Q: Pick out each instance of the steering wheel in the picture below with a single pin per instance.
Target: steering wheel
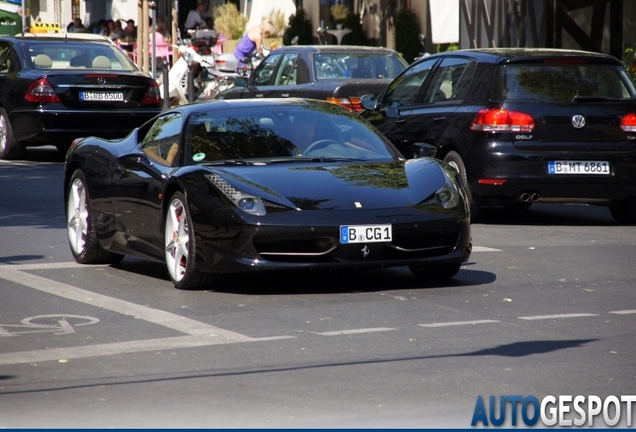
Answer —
(320, 144)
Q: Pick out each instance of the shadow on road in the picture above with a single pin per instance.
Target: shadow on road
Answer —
(548, 214)
(312, 281)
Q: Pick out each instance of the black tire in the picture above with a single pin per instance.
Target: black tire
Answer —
(455, 160)
(434, 272)
(624, 211)
(80, 226)
(180, 247)
(9, 147)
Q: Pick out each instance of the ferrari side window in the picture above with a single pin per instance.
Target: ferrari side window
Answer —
(161, 142)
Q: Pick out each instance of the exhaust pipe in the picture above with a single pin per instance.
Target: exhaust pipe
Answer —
(528, 197)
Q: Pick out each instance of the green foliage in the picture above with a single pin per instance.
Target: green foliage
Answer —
(229, 21)
(277, 19)
(407, 29)
(299, 25)
(357, 35)
(447, 47)
(629, 60)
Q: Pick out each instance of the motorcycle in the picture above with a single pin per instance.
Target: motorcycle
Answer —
(226, 65)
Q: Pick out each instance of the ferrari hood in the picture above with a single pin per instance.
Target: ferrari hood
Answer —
(338, 186)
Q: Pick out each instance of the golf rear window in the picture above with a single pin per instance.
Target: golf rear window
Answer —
(561, 82)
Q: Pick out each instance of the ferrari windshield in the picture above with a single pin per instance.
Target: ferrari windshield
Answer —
(283, 131)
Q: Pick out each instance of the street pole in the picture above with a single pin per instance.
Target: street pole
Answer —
(153, 9)
(24, 16)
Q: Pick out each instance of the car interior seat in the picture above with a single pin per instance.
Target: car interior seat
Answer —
(42, 61)
(101, 62)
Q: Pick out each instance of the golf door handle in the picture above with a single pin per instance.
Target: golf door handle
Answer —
(439, 120)
(400, 122)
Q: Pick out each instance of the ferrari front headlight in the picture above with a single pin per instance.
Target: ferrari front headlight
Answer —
(246, 202)
(448, 195)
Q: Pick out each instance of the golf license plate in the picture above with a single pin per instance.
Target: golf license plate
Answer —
(102, 96)
(365, 233)
(579, 167)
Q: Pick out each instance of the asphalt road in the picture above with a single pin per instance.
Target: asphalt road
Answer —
(545, 306)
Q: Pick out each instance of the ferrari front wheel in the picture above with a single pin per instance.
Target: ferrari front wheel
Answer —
(180, 247)
(80, 227)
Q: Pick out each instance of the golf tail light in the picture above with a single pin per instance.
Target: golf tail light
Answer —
(502, 120)
(628, 123)
(153, 95)
(352, 104)
(41, 92)
(246, 202)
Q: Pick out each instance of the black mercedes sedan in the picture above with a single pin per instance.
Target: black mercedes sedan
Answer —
(521, 125)
(338, 74)
(252, 185)
(58, 87)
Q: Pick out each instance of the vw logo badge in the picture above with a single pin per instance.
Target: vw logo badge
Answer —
(578, 121)
(365, 251)
(101, 80)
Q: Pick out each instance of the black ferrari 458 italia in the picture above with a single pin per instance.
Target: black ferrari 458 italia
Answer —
(248, 185)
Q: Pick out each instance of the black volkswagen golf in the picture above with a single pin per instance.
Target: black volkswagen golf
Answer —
(521, 125)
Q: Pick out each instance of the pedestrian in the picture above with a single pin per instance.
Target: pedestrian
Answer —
(252, 41)
(195, 21)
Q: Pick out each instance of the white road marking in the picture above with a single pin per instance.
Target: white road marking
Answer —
(558, 316)
(485, 249)
(624, 312)
(155, 316)
(129, 347)
(354, 331)
(458, 323)
(199, 334)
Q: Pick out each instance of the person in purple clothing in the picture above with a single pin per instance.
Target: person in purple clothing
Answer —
(252, 41)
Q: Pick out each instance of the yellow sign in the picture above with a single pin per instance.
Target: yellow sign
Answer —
(40, 27)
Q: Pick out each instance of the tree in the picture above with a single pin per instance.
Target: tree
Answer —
(407, 30)
(299, 25)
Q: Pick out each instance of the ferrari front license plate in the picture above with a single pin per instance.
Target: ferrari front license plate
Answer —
(579, 167)
(91, 96)
(365, 233)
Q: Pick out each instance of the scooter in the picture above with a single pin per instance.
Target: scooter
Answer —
(180, 92)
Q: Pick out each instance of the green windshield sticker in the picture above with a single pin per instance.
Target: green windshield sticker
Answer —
(198, 157)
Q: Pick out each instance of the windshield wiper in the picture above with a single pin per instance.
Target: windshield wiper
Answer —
(315, 159)
(234, 162)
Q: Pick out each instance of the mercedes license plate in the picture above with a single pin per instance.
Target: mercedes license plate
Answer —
(108, 96)
(579, 167)
(365, 233)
